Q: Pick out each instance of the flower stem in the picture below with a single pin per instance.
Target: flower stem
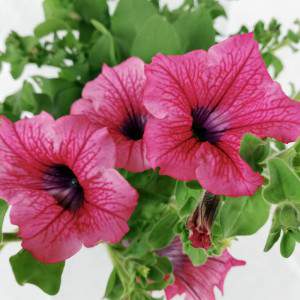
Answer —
(10, 237)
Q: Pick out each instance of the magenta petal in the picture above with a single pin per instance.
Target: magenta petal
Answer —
(47, 231)
(175, 83)
(170, 147)
(115, 100)
(243, 94)
(86, 148)
(222, 171)
(25, 147)
(59, 179)
(203, 103)
(110, 201)
(197, 283)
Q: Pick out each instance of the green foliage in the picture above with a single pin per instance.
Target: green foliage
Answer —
(163, 231)
(156, 36)
(3, 210)
(127, 20)
(271, 39)
(284, 183)
(254, 151)
(77, 38)
(242, 215)
(195, 29)
(28, 270)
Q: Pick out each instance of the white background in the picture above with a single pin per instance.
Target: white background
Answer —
(267, 276)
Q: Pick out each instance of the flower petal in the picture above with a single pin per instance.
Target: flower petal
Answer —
(47, 230)
(243, 95)
(26, 147)
(110, 201)
(175, 83)
(85, 148)
(221, 170)
(171, 146)
(197, 283)
(115, 96)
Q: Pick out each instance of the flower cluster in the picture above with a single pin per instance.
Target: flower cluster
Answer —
(184, 114)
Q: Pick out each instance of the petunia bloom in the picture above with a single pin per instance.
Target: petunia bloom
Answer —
(203, 104)
(197, 283)
(200, 222)
(115, 100)
(59, 178)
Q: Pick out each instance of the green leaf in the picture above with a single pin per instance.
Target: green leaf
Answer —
(50, 26)
(101, 53)
(28, 270)
(243, 215)
(114, 288)
(198, 256)
(289, 217)
(164, 264)
(275, 230)
(61, 92)
(273, 237)
(60, 9)
(64, 100)
(254, 150)
(156, 36)
(163, 232)
(284, 183)
(287, 245)
(195, 29)
(296, 235)
(129, 17)
(24, 100)
(93, 9)
(3, 210)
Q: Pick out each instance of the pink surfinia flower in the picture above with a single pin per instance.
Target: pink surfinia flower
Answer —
(115, 100)
(197, 283)
(59, 178)
(203, 104)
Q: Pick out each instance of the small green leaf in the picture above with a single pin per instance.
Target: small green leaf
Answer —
(50, 26)
(164, 264)
(198, 256)
(289, 217)
(284, 183)
(3, 210)
(254, 150)
(275, 230)
(23, 100)
(287, 245)
(64, 100)
(163, 232)
(273, 237)
(156, 36)
(114, 288)
(28, 270)
(195, 29)
(243, 215)
(296, 235)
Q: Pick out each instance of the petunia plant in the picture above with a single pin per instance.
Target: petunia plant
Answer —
(152, 138)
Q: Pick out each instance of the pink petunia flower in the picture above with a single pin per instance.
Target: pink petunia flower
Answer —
(197, 283)
(59, 178)
(115, 100)
(203, 104)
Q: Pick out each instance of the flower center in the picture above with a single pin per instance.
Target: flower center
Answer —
(202, 129)
(133, 127)
(61, 183)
